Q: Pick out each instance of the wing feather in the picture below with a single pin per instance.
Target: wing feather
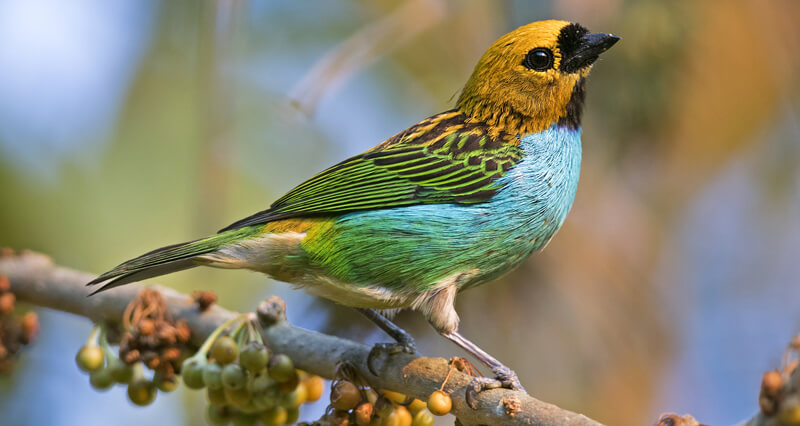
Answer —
(446, 158)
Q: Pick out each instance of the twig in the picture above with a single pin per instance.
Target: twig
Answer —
(35, 279)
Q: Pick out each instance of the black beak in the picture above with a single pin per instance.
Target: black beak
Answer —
(591, 46)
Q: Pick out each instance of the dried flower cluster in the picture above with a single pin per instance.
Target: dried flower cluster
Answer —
(151, 335)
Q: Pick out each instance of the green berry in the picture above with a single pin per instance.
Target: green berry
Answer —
(165, 384)
(218, 415)
(383, 407)
(101, 379)
(216, 397)
(225, 350)
(142, 392)
(90, 358)
(254, 357)
(264, 400)
(233, 377)
(237, 397)
(192, 372)
(269, 397)
(281, 368)
(120, 372)
(292, 414)
(212, 375)
(295, 398)
(290, 384)
(261, 383)
(244, 419)
(423, 418)
(249, 406)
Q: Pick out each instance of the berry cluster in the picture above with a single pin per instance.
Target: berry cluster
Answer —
(353, 403)
(15, 331)
(150, 339)
(106, 369)
(245, 383)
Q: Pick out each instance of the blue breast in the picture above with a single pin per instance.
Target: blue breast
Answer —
(414, 247)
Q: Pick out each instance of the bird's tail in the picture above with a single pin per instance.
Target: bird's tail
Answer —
(169, 259)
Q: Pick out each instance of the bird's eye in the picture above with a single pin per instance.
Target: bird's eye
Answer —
(539, 59)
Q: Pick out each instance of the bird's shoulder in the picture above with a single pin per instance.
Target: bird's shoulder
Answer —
(451, 132)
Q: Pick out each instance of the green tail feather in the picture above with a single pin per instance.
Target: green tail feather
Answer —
(166, 260)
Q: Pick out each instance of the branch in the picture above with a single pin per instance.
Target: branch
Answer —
(35, 279)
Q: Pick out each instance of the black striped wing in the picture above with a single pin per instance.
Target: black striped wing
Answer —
(443, 159)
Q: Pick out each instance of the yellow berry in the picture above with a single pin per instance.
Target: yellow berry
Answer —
(90, 358)
(439, 403)
(296, 397)
(417, 405)
(790, 411)
(314, 387)
(398, 417)
(396, 397)
(274, 416)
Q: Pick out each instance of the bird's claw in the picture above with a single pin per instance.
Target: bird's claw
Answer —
(506, 378)
(389, 349)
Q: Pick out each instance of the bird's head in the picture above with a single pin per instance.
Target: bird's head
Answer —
(533, 77)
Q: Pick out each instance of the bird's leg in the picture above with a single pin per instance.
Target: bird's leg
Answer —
(405, 343)
(505, 377)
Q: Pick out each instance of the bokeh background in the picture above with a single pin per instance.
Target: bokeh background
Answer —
(127, 125)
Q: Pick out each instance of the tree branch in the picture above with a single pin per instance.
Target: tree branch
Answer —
(35, 279)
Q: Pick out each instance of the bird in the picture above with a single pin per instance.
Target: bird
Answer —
(454, 201)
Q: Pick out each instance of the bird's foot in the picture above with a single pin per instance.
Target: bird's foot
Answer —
(505, 378)
(405, 345)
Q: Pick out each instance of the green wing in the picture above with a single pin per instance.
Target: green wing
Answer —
(443, 159)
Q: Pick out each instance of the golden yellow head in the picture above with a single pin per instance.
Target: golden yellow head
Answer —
(532, 77)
